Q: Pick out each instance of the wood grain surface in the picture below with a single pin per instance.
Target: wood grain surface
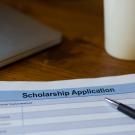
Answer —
(80, 55)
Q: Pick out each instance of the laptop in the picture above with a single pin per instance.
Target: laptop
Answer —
(21, 36)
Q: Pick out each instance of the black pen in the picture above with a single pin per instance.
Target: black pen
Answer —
(122, 107)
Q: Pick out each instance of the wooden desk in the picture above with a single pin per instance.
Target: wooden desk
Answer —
(81, 54)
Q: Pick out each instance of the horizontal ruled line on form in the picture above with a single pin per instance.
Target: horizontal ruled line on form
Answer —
(91, 131)
(72, 105)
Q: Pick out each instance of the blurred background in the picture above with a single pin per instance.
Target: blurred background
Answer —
(66, 15)
(81, 53)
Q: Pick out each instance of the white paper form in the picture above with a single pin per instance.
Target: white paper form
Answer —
(74, 107)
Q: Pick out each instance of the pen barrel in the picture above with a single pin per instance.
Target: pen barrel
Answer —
(127, 110)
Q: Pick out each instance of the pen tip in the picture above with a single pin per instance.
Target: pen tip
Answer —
(107, 99)
(113, 103)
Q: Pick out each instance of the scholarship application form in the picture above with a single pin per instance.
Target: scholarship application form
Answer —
(74, 107)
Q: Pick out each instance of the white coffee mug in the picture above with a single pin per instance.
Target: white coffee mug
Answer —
(120, 28)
